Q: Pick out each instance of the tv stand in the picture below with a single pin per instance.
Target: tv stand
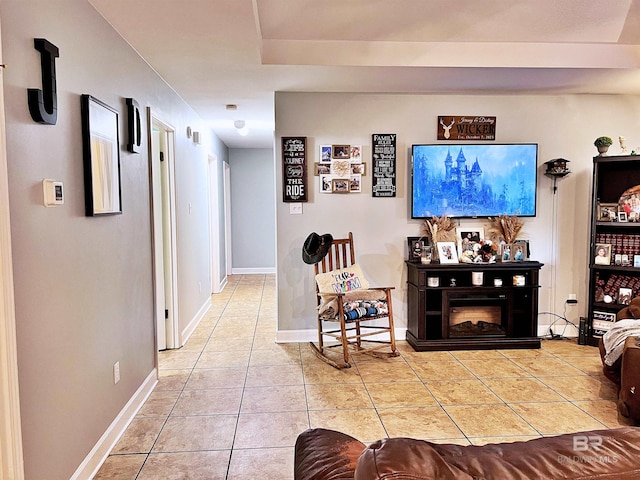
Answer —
(502, 312)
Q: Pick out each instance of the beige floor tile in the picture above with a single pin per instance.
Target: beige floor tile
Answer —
(494, 368)
(462, 392)
(208, 402)
(581, 387)
(323, 373)
(422, 422)
(525, 352)
(505, 439)
(186, 465)
(280, 398)
(267, 463)
(175, 359)
(223, 359)
(547, 367)
(568, 347)
(605, 411)
(159, 404)
(221, 344)
(365, 425)
(121, 467)
(400, 394)
(378, 372)
(182, 434)
(277, 355)
(476, 354)
(415, 357)
(262, 376)
(140, 435)
(488, 420)
(342, 396)
(207, 378)
(556, 418)
(265, 430)
(172, 379)
(441, 370)
(518, 390)
(195, 344)
(589, 365)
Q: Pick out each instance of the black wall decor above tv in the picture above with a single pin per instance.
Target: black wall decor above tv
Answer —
(467, 180)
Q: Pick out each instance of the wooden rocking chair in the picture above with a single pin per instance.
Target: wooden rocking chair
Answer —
(352, 323)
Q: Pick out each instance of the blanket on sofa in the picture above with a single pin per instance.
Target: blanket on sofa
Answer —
(614, 339)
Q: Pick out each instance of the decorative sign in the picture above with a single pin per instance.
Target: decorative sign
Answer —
(383, 153)
(43, 104)
(294, 169)
(466, 128)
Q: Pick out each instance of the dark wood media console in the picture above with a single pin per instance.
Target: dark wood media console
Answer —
(508, 294)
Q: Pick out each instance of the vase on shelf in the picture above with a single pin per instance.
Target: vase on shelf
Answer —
(602, 150)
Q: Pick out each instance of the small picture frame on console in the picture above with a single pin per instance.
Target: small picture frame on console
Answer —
(447, 252)
(519, 251)
(415, 246)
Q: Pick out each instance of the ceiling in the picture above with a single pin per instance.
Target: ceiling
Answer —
(219, 52)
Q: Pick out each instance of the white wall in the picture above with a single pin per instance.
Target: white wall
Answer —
(563, 126)
(253, 216)
(83, 286)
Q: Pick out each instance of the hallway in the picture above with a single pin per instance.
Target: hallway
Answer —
(231, 402)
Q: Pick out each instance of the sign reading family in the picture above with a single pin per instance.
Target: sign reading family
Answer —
(294, 169)
(466, 128)
(383, 153)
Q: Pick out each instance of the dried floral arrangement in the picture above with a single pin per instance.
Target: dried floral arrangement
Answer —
(505, 227)
(440, 229)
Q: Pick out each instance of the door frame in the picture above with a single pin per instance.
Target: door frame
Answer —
(227, 215)
(214, 222)
(167, 327)
(11, 454)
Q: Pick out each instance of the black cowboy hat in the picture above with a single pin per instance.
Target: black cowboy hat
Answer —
(316, 247)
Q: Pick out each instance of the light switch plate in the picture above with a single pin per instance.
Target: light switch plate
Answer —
(295, 208)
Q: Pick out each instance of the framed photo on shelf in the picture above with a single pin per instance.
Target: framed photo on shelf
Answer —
(447, 252)
(468, 237)
(506, 252)
(602, 254)
(622, 217)
(607, 212)
(636, 261)
(519, 251)
(624, 296)
(415, 246)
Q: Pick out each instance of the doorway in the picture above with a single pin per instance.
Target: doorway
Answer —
(163, 214)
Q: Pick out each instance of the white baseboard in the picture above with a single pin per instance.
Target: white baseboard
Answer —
(250, 271)
(195, 321)
(310, 335)
(99, 453)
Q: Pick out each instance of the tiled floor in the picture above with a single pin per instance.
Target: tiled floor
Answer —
(231, 402)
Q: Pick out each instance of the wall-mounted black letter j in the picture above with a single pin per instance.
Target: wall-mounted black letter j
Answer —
(43, 104)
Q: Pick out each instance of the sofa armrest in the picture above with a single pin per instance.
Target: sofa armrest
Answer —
(322, 454)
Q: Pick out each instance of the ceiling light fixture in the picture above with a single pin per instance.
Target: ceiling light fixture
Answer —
(242, 128)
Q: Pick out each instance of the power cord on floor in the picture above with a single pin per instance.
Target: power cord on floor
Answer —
(555, 336)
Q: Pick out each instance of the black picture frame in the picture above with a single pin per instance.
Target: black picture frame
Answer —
(101, 154)
(415, 253)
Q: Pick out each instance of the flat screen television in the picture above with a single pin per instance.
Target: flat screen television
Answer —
(473, 180)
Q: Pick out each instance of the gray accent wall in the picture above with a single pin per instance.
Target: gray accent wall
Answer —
(253, 200)
(563, 126)
(83, 285)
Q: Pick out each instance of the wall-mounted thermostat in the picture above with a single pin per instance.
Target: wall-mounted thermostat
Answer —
(53, 193)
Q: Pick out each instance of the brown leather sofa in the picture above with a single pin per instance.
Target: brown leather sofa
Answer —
(625, 372)
(600, 454)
